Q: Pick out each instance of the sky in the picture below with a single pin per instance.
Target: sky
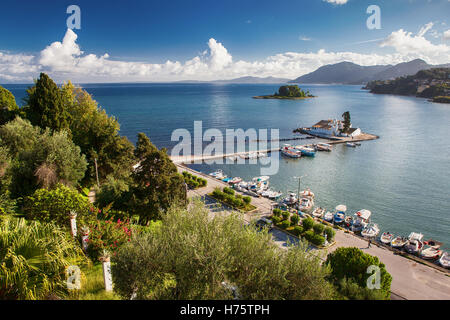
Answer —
(156, 40)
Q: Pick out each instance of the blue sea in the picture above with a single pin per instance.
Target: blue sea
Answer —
(403, 177)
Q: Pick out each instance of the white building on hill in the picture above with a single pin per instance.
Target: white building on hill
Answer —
(333, 127)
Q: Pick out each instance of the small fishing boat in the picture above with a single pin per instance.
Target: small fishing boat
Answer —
(338, 218)
(306, 151)
(361, 220)
(232, 158)
(235, 180)
(291, 199)
(290, 153)
(445, 260)
(386, 238)
(307, 194)
(414, 244)
(252, 155)
(328, 216)
(370, 231)
(218, 174)
(398, 242)
(318, 212)
(262, 155)
(357, 143)
(227, 180)
(275, 195)
(348, 221)
(306, 204)
(351, 144)
(431, 252)
(324, 147)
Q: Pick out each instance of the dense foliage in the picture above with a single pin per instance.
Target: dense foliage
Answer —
(229, 197)
(8, 106)
(55, 205)
(194, 181)
(33, 258)
(40, 158)
(292, 91)
(191, 255)
(352, 264)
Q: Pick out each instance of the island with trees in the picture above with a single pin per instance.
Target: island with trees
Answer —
(288, 92)
(432, 83)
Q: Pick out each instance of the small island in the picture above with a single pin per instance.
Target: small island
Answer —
(288, 92)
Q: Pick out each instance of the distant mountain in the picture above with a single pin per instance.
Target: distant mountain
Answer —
(254, 80)
(351, 73)
(242, 80)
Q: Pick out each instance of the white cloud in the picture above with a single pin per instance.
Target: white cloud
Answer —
(338, 2)
(65, 60)
(416, 46)
(303, 38)
(446, 34)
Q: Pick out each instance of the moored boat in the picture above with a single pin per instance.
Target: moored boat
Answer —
(338, 218)
(351, 144)
(291, 199)
(370, 231)
(291, 153)
(386, 237)
(324, 147)
(361, 220)
(306, 204)
(307, 194)
(431, 253)
(318, 212)
(445, 260)
(398, 242)
(348, 221)
(414, 244)
(218, 174)
(306, 151)
(328, 216)
(235, 180)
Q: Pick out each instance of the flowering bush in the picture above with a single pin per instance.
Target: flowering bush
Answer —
(109, 235)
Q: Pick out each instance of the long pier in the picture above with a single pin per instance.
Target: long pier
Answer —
(193, 158)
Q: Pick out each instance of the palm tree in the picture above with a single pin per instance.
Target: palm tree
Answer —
(33, 258)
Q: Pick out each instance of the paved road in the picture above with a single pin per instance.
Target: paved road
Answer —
(410, 280)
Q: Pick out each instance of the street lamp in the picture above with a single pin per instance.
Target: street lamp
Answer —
(298, 191)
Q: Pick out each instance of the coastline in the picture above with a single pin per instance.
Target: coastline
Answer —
(411, 278)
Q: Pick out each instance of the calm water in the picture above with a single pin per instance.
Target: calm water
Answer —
(403, 177)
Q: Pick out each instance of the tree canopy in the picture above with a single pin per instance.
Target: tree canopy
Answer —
(8, 106)
(191, 255)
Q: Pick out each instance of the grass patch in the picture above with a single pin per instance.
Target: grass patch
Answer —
(92, 286)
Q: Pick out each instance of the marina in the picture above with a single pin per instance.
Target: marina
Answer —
(411, 280)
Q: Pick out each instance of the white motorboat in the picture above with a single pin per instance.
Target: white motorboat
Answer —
(341, 208)
(351, 144)
(431, 253)
(232, 158)
(291, 153)
(445, 260)
(415, 243)
(306, 151)
(291, 199)
(307, 194)
(328, 216)
(386, 238)
(275, 195)
(324, 147)
(218, 174)
(339, 216)
(262, 155)
(318, 212)
(235, 180)
(306, 204)
(252, 155)
(370, 231)
(361, 220)
(399, 242)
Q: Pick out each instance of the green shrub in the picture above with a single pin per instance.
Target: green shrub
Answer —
(285, 224)
(275, 219)
(318, 228)
(285, 215)
(294, 219)
(276, 212)
(330, 233)
(352, 264)
(307, 223)
(55, 205)
(298, 230)
(247, 200)
(228, 191)
(314, 238)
